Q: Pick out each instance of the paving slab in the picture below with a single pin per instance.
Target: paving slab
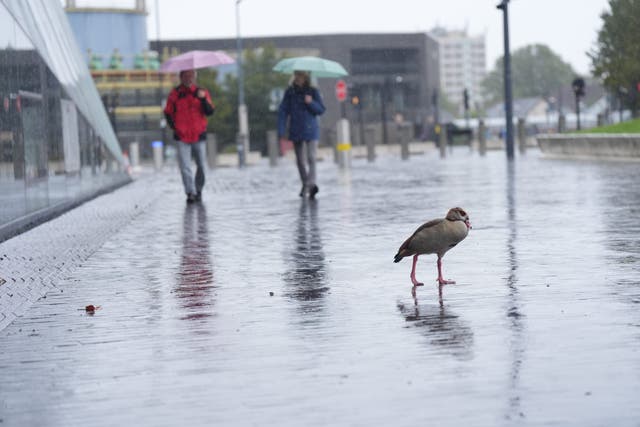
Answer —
(257, 307)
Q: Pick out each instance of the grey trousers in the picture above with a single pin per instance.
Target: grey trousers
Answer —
(308, 178)
(185, 151)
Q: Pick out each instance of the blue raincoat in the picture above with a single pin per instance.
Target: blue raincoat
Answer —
(303, 122)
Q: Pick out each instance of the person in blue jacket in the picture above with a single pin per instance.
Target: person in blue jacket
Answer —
(301, 105)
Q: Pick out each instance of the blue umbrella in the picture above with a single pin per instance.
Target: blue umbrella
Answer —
(319, 67)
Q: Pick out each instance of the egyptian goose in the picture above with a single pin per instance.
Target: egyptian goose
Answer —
(435, 237)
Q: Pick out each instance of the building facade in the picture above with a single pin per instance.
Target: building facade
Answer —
(115, 46)
(109, 37)
(57, 146)
(462, 65)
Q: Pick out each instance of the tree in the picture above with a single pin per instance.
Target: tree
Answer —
(536, 71)
(445, 104)
(259, 81)
(222, 121)
(615, 58)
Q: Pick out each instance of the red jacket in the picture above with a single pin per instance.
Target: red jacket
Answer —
(187, 114)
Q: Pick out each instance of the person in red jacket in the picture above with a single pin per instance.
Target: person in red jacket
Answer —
(186, 112)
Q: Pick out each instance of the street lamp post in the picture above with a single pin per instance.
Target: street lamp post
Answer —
(508, 97)
(578, 89)
(162, 100)
(243, 121)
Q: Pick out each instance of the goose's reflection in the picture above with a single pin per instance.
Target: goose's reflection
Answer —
(195, 276)
(443, 329)
(306, 271)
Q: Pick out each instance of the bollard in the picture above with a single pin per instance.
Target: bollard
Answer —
(370, 135)
(600, 119)
(562, 123)
(134, 154)
(343, 144)
(334, 144)
(212, 150)
(482, 138)
(158, 154)
(522, 136)
(241, 140)
(407, 133)
(403, 136)
(443, 141)
(404, 149)
(272, 147)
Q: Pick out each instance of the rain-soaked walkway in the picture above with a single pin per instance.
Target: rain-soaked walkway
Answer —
(258, 308)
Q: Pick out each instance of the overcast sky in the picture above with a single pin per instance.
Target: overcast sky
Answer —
(568, 27)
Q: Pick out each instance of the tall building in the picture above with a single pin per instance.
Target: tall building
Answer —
(462, 65)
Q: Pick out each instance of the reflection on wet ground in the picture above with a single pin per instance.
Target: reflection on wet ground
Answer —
(443, 329)
(195, 277)
(259, 308)
(305, 275)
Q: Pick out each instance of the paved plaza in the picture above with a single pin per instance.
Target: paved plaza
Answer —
(257, 307)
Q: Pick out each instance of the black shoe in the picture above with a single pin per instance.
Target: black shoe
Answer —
(313, 191)
(302, 191)
(191, 198)
(198, 196)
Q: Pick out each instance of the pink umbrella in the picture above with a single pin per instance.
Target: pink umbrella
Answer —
(196, 59)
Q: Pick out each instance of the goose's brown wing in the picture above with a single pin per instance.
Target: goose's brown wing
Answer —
(405, 247)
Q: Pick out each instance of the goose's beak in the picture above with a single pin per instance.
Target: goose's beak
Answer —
(468, 224)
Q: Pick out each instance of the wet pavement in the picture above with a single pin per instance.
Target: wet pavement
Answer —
(259, 308)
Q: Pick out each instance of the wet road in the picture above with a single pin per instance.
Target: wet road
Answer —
(258, 308)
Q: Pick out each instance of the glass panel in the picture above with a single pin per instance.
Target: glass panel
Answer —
(15, 48)
(56, 142)
(49, 30)
(35, 151)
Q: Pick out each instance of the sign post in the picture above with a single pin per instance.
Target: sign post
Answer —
(341, 96)
(343, 144)
(341, 90)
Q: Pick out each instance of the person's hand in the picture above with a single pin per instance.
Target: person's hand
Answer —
(283, 140)
(308, 99)
(201, 93)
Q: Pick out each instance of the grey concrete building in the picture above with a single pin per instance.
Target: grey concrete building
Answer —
(394, 76)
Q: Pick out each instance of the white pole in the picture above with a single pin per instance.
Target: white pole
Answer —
(343, 144)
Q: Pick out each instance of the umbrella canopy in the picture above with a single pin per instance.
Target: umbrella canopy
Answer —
(196, 59)
(319, 67)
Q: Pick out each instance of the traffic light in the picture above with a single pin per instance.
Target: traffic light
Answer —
(578, 86)
(578, 89)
